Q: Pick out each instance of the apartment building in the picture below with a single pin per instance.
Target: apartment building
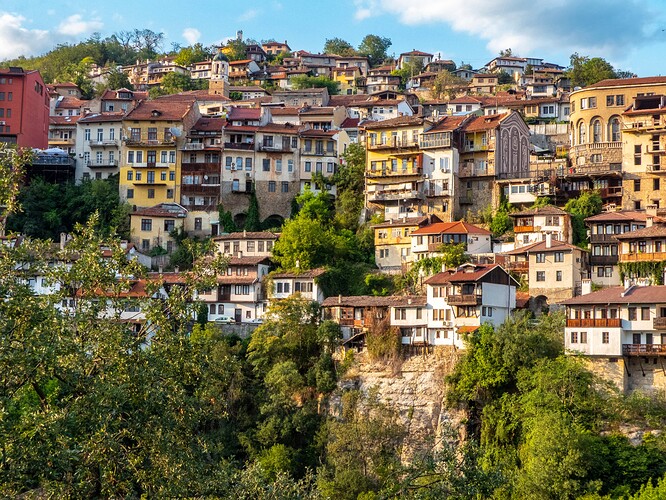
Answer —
(532, 225)
(151, 227)
(98, 147)
(246, 243)
(305, 284)
(24, 108)
(393, 242)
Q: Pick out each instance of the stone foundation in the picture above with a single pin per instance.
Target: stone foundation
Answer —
(631, 374)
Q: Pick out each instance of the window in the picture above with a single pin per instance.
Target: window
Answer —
(278, 166)
(163, 157)
(172, 176)
(86, 134)
(540, 258)
(596, 131)
(583, 337)
(581, 133)
(285, 187)
(145, 245)
(248, 163)
(637, 184)
(197, 223)
(645, 313)
(135, 134)
(614, 126)
(266, 165)
(329, 167)
(130, 174)
(632, 314)
(146, 224)
(400, 313)
(150, 177)
(163, 176)
(655, 184)
(169, 194)
(290, 166)
(605, 338)
(592, 101)
(637, 154)
(151, 193)
(559, 256)
(308, 166)
(130, 193)
(100, 134)
(558, 275)
(574, 337)
(271, 186)
(541, 276)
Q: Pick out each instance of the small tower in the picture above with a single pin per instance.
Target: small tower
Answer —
(219, 80)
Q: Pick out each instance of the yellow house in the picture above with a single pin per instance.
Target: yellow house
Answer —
(347, 78)
(151, 227)
(150, 166)
(393, 243)
(394, 165)
(602, 153)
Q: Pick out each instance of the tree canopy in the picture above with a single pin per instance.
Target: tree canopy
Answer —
(584, 70)
(339, 47)
(374, 47)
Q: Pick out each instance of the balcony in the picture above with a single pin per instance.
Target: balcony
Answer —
(464, 300)
(526, 229)
(149, 164)
(594, 323)
(643, 257)
(102, 144)
(145, 142)
(603, 238)
(276, 148)
(434, 193)
(242, 146)
(603, 260)
(192, 146)
(594, 169)
(643, 126)
(203, 189)
(393, 143)
(610, 192)
(655, 168)
(204, 167)
(644, 349)
(395, 173)
(393, 195)
(467, 170)
(102, 164)
(659, 324)
(520, 266)
(316, 152)
(435, 143)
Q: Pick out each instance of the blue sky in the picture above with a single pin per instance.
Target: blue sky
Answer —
(630, 34)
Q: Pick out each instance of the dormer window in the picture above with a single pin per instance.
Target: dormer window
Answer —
(155, 113)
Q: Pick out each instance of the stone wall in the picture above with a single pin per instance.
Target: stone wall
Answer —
(631, 374)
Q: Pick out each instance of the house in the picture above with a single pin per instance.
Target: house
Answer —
(305, 283)
(604, 229)
(461, 300)
(24, 108)
(427, 240)
(380, 79)
(621, 332)
(151, 227)
(554, 269)
(532, 225)
(62, 132)
(152, 133)
(274, 48)
(320, 155)
(301, 98)
(121, 100)
(98, 145)
(246, 243)
(393, 244)
(417, 57)
(642, 246)
(483, 83)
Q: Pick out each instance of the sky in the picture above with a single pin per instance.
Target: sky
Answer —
(630, 34)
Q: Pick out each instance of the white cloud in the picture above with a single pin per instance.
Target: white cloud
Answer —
(192, 35)
(528, 26)
(248, 15)
(75, 25)
(17, 40)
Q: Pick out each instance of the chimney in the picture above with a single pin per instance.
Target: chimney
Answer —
(586, 286)
(549, 240)
(244, 233)
(649, 220)
(63, 240)
(160, 269)
(176, 269)
(651, 210)
(340, 299)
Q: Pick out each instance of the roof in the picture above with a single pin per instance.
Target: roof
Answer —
(620, 295)
(404, 222)
(162, 110)
(312, 273)
(102, 117)
(317, 132)
(626, 82)
(317, 110)
(448, 123)
(547, 210)
(284, 111)
(464, 273)
(71, 103)
(64, 120)
(248, 260)
(620, 215)
(350, 123)
(486, 122)
(460, 227)
(375, 301)
(467, 328)
(224, 279)
(400, 121)
(244, 114)
(540, 246)
(654, 231)
(209, 124)
(162, 210)
(415, 53)
(248, 235)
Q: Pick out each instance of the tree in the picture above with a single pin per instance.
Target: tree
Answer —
(253, 222)
(227, 224)
(446, 84)
(309, 82)
(504, 78)
(506, 53)
(374, 47)
(116, 79)
(408, 70)
(589, 203)
(235, 50)
(175, 82)
(453, 255)
(193, 54)
(339, 47)
(584, 70)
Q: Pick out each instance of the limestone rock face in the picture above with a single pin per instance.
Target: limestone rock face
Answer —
(415, 387)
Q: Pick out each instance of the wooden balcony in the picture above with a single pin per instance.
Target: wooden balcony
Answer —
(594, 323)
(603, 260)
(643, 257)
(393, 195)
(387, 172)
(644, 349)
(521, 266)
(525, 229)
(659, 323)
(393, 143)
(471, 299)
(243, 146)
(602, 238)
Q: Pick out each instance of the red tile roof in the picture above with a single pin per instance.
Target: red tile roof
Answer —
(107, 116)
(400, 121)
(312, 273)
(244, 114)
(626, 82)
(654, 231)
(540, 246)
(620, 215)
(162, 210)
(160, 110)
(374, 301)
(487, 122)
(460, 227)
(448, 123)
(618, 295)
(464, 273)
(349, 123)
(64, 120)
(209, 124)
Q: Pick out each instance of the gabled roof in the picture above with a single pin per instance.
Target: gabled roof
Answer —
(415, 53)
(654, 231)
(620, 215)
(619, 295)
(447, 124)
(540, 246)
(248, 235)
(487, 122)
(312, 273)
(627, 82)
(64, 120)
(460, 227)
(107, 116)
(350, 123)
(248, 261)
(375, 301)
(465, 274)
(547, 210)
(159, 110)
(209, 124)
(236, 113)
(400, 121)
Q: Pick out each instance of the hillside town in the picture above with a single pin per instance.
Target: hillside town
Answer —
(435, 162)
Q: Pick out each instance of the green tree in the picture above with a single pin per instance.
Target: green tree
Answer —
(116, 79)
(193, 54)
(227, 224)
(235, 50)
(453, 255)
(374, 47)
(589, 203)
(446, 84)
(408, 70)
(504, 78)
(584, 71)
(309, 82)
(339, 47)
(253, 221)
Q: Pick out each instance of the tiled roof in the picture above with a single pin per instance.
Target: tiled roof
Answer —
(400, 121)
(350, 123)
(160, 110)
(317, 110)
(209, 124)
(415, 53)
(447, 123)
(374, 301)
(312, 273)
(284, 111)
(314, 132)
(467, 328)
(107, 116)
(626, 82)
(406, 222)
(654, 231)
(547, 210)
(162, 210)
(618, 295)
(70, 103)
(540, 246)
(466, 100)
(248, 235)
(459, 227)
(244, 114)
(279, 128)
(248, 261)
(487, 122)
(620, 215)
(347, 100)
(464, 273)
(64, 120)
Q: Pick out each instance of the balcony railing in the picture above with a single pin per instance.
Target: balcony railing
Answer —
(643, 126)
(525, 229)
(471, 299)
(644, 349)
(435, 143)
(102, 164)
(659, 324)
(204, 167)
(603, 260)
(432, 193)
(393, 195)
(610, 192)
(642, 257)
(387, 172)
(317, 152)
(140, 141)
(243, 146)
(107, 142)
(656, 168)
(193, 146)
(603, 238)
(594, 169)
(594, 322)
(206, 189)
(394, 142)
(275, 148)
(518, 266)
